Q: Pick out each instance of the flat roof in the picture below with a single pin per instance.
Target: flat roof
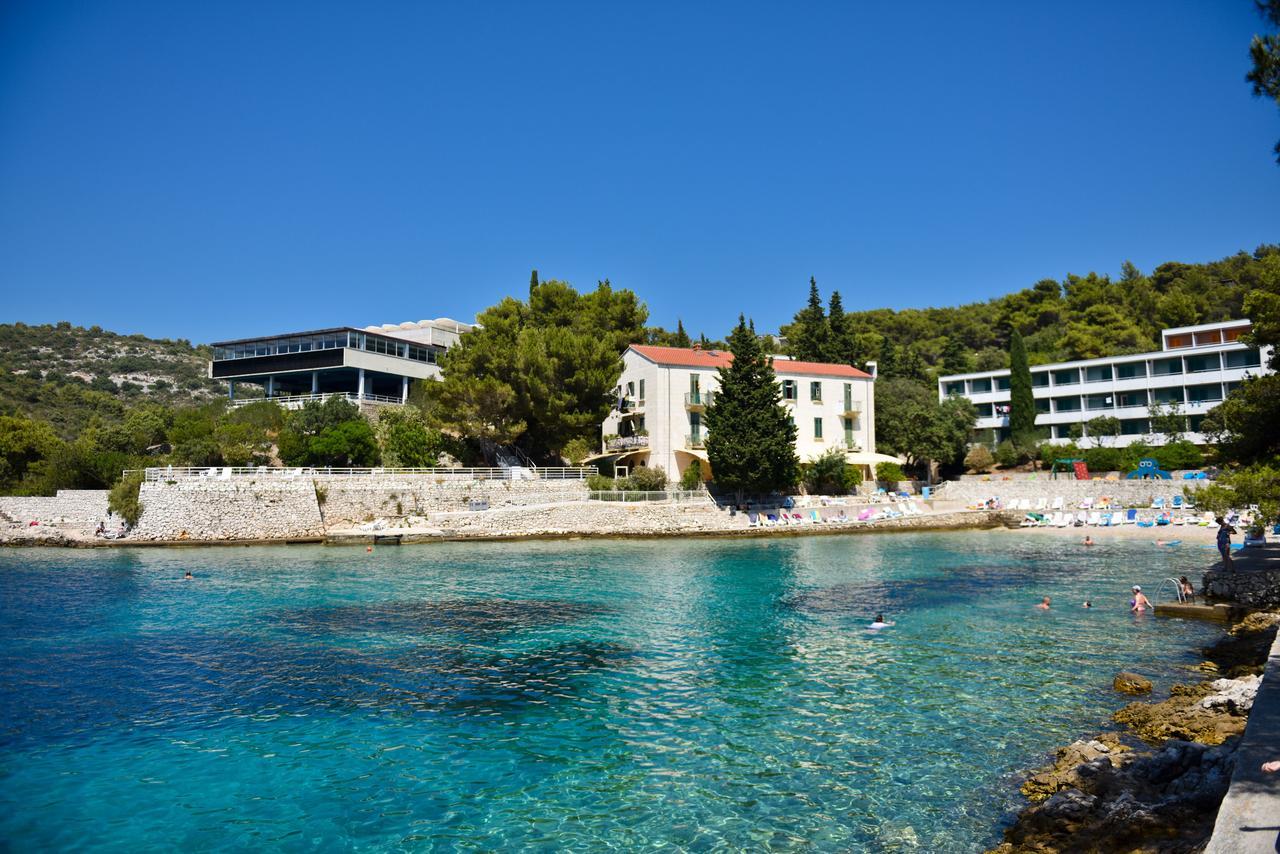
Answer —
(687, 357)
(368, 330)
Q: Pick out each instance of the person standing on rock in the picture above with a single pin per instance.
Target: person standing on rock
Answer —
(1224, 542)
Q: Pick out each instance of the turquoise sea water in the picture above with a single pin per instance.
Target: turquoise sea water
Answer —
(698, 694)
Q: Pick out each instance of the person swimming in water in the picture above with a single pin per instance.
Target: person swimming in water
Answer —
(188, 576)
(1087, 604)
(879, 623)
(1088, 540)
(1139, 602)
(1044, 604)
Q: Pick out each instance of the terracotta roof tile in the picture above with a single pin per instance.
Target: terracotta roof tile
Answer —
(685, 357)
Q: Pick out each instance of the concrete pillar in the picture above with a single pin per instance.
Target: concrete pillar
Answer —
(231, 389)
(271, 386)
(360, 387)
(404, 389)
(315, 382)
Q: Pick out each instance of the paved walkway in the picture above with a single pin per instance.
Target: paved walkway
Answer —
(1249, 818)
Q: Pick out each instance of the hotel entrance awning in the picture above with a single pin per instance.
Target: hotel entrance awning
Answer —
(868, 458)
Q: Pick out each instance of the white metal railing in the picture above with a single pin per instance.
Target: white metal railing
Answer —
(296, 401)
(676, 495)
(161, 474)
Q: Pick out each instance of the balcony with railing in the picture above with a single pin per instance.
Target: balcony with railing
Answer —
(696, 401)
(630, 405)
(626, 443)
(852, 408)
(695, 441)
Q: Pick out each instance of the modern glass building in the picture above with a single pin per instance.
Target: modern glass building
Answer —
(370, 365)
(1195, 369)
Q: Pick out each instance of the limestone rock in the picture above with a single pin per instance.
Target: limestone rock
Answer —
(1131, 683)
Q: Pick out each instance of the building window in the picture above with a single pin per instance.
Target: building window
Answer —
(1202, 363)
(1242, 359)
(1204, 393)
(1066, 404)
(641, 388)
(1168, 395)
(1174, 342)
(1040, 379)
(1234, 333)
(1166, 367)
(1097, 373)
(1098, 401)
(1133, 426)
(1003, 383)
(788, 389)
(1131, 370)
(1042, 404)
(1131, 398)
(1066, 377)
(817, 429)
(981, 386)
(815, 392)
(848, 432)
(955, 387)
(984, 410)
(1209, 338)
(1194, 422)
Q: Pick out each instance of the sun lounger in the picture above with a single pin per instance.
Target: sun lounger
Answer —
(1157, 503)
(1057, 503)
(1087, 504)
(1095, 518)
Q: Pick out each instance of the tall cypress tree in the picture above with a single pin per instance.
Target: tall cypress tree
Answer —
(681, 338)
(750, 436)
(839, 347)
(809, 335)
(1022, 403)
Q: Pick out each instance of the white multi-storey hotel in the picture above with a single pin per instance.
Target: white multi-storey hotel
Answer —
(664, 391)
(1195, 369)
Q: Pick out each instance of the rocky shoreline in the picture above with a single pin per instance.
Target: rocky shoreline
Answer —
(1156, 785)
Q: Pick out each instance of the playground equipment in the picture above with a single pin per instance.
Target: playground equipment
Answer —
(1148, 468)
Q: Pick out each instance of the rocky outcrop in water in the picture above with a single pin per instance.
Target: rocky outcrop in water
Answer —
(1162, 796)
(1131, 683)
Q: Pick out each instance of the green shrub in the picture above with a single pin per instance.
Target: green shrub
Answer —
(1104, 459)
(827, 474)
(890, 473)
(575, 451)
(692, 477)
(123, 499)
(1066, 451)
(852, 477)
(979, 459)
(1006, 454)
(1179, 455)
(600, 483)
(648, 479)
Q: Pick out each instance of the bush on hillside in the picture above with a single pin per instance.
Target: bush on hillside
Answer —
(1006, 454)
(692, 477)
(890, 473)
(979, 459)
(647, 479)
(123, 498)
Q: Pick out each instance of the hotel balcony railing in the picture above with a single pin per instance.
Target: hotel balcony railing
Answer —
(852, 408)
(626, 443)
(630, 404)
(695, 441)
(698, 399)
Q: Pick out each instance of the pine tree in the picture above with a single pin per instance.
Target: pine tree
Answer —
(681, 338)
(533, 282)
(1022, 403)
(809, 335)
(840, 345)
(750, 435)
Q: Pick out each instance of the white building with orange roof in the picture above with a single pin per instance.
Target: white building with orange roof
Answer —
(657, 419)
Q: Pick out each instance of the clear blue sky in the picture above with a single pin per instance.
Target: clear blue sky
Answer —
(220, 169)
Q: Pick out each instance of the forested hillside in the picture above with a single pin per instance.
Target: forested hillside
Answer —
(1078, 317)
(66, 375)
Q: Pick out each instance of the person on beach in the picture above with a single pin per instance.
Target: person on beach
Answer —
(1139, 602)
(879, 623)
(1188, 592)
(1224, 542)
(1044, 604)
(1088, 540)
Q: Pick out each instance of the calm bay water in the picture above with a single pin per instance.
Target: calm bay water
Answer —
(701, 694)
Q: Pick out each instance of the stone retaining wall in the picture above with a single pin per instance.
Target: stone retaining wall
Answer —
(1129, 492)
(82, 507)
(1253, 588)
(228, 510)
(357, 501)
